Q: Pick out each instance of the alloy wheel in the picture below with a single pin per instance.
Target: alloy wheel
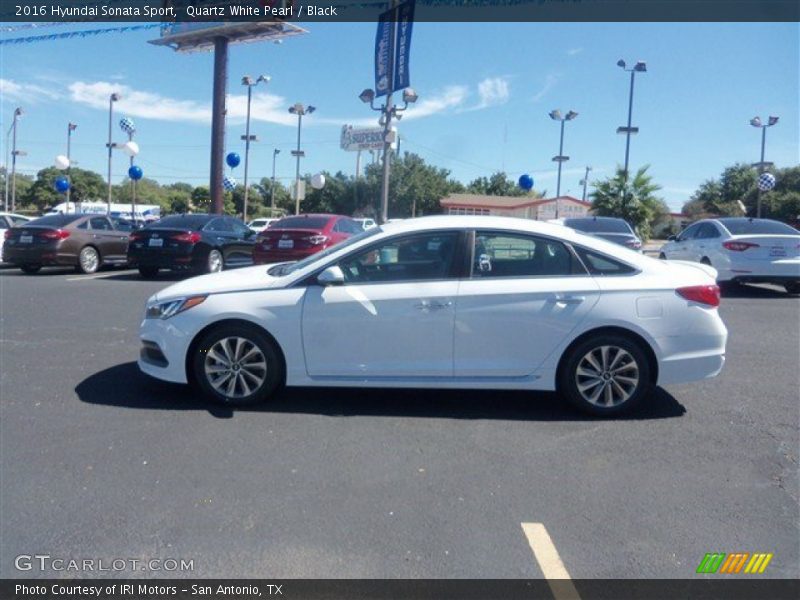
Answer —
(235, 367)
(89, 260)
(214, 261)
(607, 376)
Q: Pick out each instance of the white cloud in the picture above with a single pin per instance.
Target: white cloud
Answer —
(452, 96)
(148, 105)
(492, 92)
(25, 92)
(574, 51)
(549, 83)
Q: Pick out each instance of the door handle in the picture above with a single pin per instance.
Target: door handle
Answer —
(568, 299)
(426, 305)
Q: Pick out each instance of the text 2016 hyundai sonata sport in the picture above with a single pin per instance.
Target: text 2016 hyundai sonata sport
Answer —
(445, 302)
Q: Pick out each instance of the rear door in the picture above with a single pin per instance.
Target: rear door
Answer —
(525, 294)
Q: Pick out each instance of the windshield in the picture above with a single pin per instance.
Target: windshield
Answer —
(757, 226)
(599, 225)
(287, 268)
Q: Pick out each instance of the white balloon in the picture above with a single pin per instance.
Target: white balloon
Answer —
(130, 148)
(62, 162)
(318, 181)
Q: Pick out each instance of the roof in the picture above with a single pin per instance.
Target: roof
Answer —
(487, 201)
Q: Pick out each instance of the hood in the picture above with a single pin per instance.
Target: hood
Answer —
(235, 280)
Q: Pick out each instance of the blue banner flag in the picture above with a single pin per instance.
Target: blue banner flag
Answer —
(405, 22)
(384, 54)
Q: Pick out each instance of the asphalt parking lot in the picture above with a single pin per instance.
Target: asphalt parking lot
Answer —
(99, 461)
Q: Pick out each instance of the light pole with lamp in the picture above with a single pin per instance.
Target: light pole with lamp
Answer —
(275, 152)
(299, 110)
(248, 81)
(388, 111)
(111, 99)
(560, 158)
(639, 67)
(762, 165)
(14, 154)
(70, 128)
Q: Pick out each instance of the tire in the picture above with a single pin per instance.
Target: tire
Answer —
(214, 262)
(148, 272)
(587, 382)
(662, 256)
(706, 261)
(88, 260)
(224, 376)
(792, 287)
(30, 269)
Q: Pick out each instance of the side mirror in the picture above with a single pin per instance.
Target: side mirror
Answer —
(672, 238)
(331, 276)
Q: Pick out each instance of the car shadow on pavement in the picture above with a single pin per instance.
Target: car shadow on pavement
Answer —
(755, 292)
(166, 276)
(143, 392)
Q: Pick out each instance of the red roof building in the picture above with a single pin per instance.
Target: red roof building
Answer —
(540, 209)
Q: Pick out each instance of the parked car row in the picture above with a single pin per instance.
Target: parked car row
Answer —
(196, 243)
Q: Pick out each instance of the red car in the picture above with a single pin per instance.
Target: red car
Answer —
(294, 238)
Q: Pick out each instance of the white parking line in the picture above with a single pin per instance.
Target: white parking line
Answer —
(550, 562)
(100, 276)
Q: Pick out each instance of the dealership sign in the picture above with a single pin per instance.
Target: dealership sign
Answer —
(361, 139)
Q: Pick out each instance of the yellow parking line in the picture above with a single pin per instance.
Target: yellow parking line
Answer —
(550, 562)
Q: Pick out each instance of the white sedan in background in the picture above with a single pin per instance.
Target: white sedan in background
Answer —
(742, 250)
(7, 221)
(259, 225)
(445, 302)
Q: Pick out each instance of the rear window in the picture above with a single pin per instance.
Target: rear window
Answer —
(54, 220)
(599, 225)
(301, 223)
(757, 226)
(181, 221)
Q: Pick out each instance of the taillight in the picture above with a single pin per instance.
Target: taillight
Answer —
(636, 244)
(135, 237)
(738, 246)
(7, 235)
(192, 237)
(56, 234)
(704, 294)
(316, 240)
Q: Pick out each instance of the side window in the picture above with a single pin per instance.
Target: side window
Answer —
(84, 225)
(122, 225)
(218, 226)
(689, 233)
(600, 264)
(707, 231)
(17, 220)
(100, 224)
(239, 228)
(513, 255)
(412, 258)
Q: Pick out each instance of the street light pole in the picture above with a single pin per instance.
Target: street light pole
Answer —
(585, 182)
(14, 154)
(557, 116)
(113, 98)
(70, 128)
(299, 110)
(248, 81)
(639, 67)
(275, 153)
(762, 165)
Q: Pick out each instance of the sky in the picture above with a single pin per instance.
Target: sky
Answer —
(485, 91)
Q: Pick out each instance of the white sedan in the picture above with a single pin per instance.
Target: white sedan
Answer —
(444, 302)
(7, 221)
(741, 250)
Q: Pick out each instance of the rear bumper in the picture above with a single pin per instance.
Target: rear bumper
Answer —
(180, 258)
(37, 256)
(776, 271)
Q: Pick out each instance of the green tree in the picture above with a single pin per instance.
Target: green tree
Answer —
(497, 185)
(629, 198)
(86, 186)
(23, 184)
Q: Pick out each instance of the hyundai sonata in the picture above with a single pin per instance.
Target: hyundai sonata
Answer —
(445, 302)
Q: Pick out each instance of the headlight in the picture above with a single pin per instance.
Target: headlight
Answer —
(170, 308)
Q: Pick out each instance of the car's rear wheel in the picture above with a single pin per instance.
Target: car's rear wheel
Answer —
(30, 269)
(662, 256)
(606, 375)
(213, 263)
(148, 272)
(792, 287)
(88, 260)
(237, 365)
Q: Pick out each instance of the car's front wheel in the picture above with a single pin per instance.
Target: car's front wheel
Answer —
(237, 365)
(606, 375)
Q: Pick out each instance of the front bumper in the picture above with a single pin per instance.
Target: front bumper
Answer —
(165, 344)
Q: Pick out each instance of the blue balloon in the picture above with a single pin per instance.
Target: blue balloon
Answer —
(526, 182)
(62, 185)
(135, 172)
(233, 160)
